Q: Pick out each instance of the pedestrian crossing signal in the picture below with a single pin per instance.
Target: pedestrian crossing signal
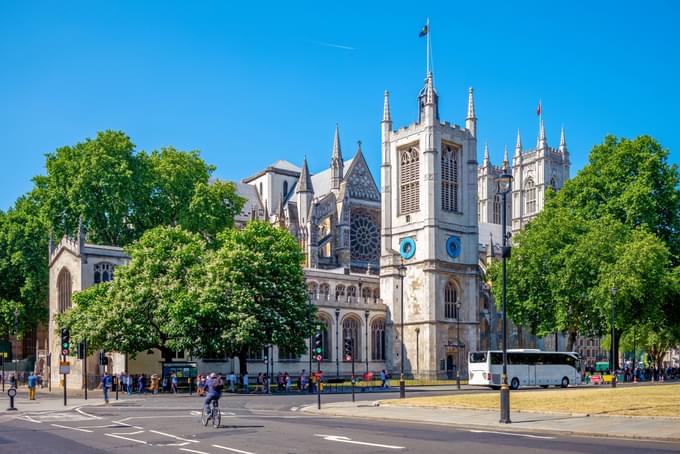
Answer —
(65, 341)
(348, 348)
(318, 346)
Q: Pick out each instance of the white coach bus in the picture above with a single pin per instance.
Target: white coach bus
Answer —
(525, 368)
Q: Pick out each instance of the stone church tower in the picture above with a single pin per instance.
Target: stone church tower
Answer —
(429, 224)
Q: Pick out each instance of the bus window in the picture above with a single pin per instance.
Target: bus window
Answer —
(496, 358)
(478, 357)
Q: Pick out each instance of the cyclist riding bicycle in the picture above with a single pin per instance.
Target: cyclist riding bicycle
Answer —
(213, 385)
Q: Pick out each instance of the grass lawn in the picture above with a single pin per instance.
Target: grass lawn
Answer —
(654, 400)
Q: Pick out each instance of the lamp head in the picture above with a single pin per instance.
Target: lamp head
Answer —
(504, 182)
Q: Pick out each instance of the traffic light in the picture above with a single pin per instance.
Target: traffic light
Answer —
(81, 350)
(318, 346)
(102, 359)
(65, 341)
(348, 349)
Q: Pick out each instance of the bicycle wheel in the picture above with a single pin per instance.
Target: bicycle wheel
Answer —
(216, 417)
(205, 416)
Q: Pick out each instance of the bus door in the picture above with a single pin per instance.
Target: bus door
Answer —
(531, 374)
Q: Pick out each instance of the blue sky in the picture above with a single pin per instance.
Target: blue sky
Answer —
(248, 83)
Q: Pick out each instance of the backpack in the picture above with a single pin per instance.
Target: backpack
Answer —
(219, 383)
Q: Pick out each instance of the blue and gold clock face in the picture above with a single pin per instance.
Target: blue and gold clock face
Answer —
(407, 248)
(453, 246)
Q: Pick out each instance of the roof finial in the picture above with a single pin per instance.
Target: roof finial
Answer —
(542, 142)
(305, 184)
(563, 141)
(386, 108)
(506, 161)
(489, 247)
(486, 154)
(518, 145)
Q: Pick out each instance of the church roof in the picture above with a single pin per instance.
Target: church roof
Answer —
(248, 192)
(284, 165)
(322, 181)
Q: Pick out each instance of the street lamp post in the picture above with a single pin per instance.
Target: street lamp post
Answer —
(310, 338)
(613, 350)
(402, 383)
(337, 341)
(504, 187)
(366, 314)
(458, 344)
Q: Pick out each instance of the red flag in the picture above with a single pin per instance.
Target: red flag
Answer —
(538, 110)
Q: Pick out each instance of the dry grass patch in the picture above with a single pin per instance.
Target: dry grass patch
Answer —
(655, 400)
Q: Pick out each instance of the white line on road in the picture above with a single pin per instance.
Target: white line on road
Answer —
(86, 414)
(28, 418)
(233, 449)
(72, 428)
(126, 438)
(510, 433)
(173, 436)
(194, 451)
(343, 439)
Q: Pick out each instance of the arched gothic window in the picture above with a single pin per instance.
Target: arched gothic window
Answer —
(409, 181)
(450, 300)
(496, 215)
(339, 291)
(312, 288)
(351, 329)
(449, 178)
(64, 290)
(103, 272)
(324, 291)
(530, 196)
(285, 188)
(553, 184)
(378, 340)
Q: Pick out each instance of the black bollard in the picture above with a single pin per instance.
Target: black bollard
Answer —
(117, 386)
(11, 393)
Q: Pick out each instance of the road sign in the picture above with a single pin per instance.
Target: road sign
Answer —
(64, 367)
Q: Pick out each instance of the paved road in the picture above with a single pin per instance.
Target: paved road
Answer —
(269, 424)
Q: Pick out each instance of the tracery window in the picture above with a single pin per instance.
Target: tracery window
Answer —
(364, 237)
(449, 178)
(339, 291)
(378, 340)
(324, 291)
(496, 214)
(409, 181)
(64, 290)
(376, 293)
(103, 272)
(351, 292)
(366, 293)
(312, 288)
(530, 196)
(351, 328)
(450, 300)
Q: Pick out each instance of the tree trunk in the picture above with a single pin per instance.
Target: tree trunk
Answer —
(520, 337)
(243, 362)
(615, 348)
(167, 354)
(571, 340)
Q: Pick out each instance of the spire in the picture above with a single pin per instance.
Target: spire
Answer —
(471, 119)
(506, 161)
(359, 150)
(518, 145)
(563, 142)
(386, 108)
(281, 214)
(542, 142)
(336, 161)
(305, 181)
(489, 248)
(485, 163)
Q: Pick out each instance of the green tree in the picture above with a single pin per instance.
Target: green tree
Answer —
(253, 294)
(23, 265)
(149, 304)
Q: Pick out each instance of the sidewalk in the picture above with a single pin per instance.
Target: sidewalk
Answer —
(667, 429)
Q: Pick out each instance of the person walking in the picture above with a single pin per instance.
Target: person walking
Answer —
(383, 378)
(174, 382)
(129, 384)
(246, 383)
(12, 381)
(32, 383)
(106, 383)
(289, 381)
(141, 384)
(232, 382)
(155, 380)
(303, 381)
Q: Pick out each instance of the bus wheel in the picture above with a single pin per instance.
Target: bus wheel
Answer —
(514, 384)
(544, 386)
(565, 382)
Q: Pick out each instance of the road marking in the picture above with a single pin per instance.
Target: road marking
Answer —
(233, 449)
(510, 433)
(191, 450)
(107, 426)
(28, 418)
(294, 408)
(87, 414)
(343, 439)
(127, 438)
(173, 436)
(72, 428)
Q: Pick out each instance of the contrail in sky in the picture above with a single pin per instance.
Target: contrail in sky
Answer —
(337, 46)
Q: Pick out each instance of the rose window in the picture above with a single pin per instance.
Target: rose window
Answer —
(365, 238)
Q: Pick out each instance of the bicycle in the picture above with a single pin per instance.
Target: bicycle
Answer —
(213, 414)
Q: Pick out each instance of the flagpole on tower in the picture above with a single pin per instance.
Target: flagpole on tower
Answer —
(427, 25)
